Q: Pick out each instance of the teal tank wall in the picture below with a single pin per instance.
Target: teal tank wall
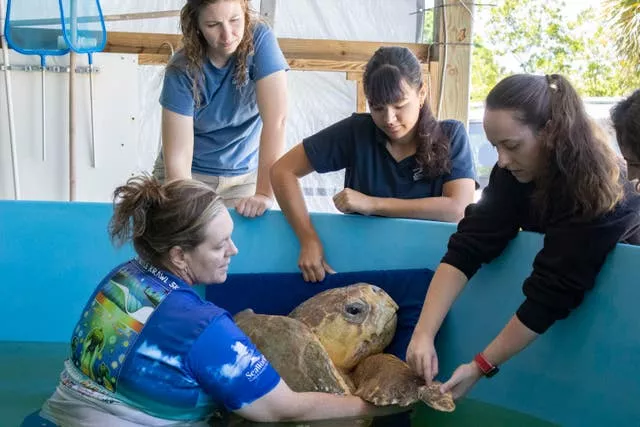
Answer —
(585, 371)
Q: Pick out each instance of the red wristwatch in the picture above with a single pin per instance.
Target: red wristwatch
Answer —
(488, 370)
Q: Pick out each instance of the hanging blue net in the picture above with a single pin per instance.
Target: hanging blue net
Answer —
(83, 29)
(35, 30)
(53, 27)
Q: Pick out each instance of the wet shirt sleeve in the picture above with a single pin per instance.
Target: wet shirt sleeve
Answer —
(462, 165)
(332, 148)
(487, 226)
(229, 367)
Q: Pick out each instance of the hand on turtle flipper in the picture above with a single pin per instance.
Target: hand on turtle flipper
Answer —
(383, 379)
(433, 396)
(462, 380)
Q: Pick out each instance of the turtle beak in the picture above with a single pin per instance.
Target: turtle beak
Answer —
(389, 302)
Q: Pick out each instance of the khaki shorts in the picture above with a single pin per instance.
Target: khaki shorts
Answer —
(230, 188)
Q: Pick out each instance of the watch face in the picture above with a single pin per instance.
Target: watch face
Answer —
(494, 370)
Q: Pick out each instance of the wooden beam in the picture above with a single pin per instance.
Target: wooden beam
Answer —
(294, 64)
(96, 18)
(355, 75)
(306, 49)
(341, 50)
(128, 42)
(458, 15)
(325, 65)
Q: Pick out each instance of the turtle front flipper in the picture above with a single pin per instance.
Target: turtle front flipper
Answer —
(383, 379)
(433, 397)
(294, 352)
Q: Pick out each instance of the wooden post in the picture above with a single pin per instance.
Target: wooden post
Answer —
(72, 126)
(458, 17)
(268, 11)
(72, 102)
(361, 98)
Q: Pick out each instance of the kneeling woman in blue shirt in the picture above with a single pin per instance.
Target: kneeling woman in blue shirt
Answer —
(399, 160)
(147, 350)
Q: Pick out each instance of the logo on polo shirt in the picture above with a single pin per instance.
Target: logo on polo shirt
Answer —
(418, 174)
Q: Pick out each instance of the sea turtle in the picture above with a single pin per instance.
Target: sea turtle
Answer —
(333, 342)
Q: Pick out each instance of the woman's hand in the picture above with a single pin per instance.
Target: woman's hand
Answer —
(462, 380)
(422, 356)
(352, 201)
(254, 206)
(311, 261)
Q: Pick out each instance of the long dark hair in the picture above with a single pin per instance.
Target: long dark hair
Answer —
(157, 217)
(382, 80)
(579, 171)
(195, 45)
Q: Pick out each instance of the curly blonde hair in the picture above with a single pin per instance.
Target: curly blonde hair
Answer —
(195, 45)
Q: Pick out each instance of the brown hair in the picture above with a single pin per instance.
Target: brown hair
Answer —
(382, 81)
(158, 217)
(580, 172)
(195, 45)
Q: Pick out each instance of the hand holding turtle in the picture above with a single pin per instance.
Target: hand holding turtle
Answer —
(462, 380)
(422, 356)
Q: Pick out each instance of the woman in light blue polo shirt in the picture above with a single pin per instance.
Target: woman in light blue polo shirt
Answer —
(399, 160)
(224, 104)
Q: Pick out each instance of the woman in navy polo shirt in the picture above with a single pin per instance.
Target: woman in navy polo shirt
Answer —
(224, 104)
(399, 160)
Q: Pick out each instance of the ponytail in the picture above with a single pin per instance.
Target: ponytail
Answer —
(432, 150)
(158, 217)
(132, 204)
(579, 175)
(581, 168)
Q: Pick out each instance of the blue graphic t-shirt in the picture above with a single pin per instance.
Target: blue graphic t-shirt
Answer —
(148, 340)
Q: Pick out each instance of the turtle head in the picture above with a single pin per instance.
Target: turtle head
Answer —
(351, 322)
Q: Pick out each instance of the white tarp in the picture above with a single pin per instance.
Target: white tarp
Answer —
(126, 101)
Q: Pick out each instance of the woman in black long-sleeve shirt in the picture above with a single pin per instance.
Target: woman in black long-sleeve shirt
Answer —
(553, 176)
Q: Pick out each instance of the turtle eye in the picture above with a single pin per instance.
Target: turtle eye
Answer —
(355, 311)
(352, 309)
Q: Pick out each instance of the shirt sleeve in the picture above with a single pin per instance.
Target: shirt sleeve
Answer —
(268, 57)
(462, 165)
(229, 367)
(487, 226)
(177, 92)
(332, 148)
(567, 266)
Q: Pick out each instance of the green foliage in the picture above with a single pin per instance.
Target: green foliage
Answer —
(427, 33)
(540, 39)
(624, 16)
(485, 70)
